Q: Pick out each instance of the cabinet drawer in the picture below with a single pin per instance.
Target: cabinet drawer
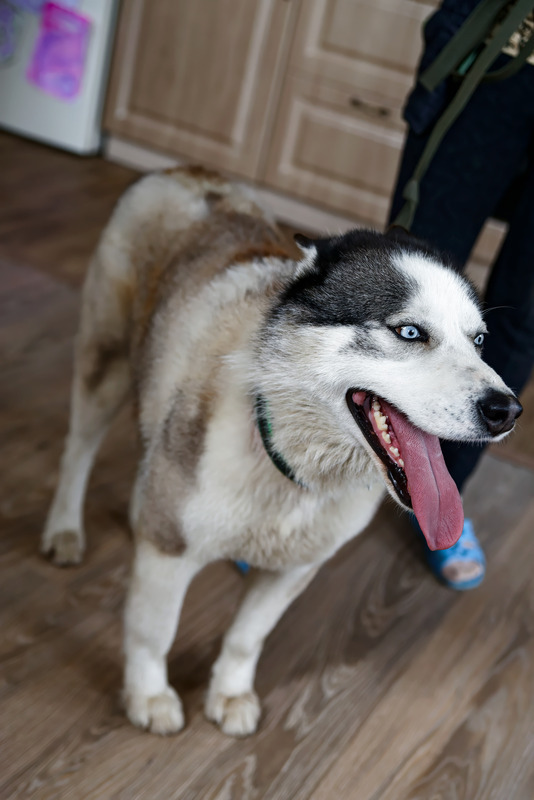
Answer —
(343, 39)
(336, 148)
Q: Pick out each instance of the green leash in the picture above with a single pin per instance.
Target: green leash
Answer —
(467, 56)
(263, 421)
(265, 428)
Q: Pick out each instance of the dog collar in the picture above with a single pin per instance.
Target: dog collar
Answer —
(265, 428)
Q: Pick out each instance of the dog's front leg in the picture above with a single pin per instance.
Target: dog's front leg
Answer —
(231, 700)
(157, 590)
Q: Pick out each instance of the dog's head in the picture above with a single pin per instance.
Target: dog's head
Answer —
(381, 339)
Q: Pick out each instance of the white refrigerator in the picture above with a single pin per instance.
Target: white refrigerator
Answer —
(72, 123)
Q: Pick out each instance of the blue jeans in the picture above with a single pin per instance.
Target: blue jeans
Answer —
(473, 174)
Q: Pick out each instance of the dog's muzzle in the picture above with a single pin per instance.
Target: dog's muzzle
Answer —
(499, 411)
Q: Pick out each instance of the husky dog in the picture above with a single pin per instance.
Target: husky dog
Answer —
(277, 401)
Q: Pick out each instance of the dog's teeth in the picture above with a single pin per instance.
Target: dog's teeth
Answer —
(394, 451)
(376, 405)
(381, 421)
(401, 463)
(386, 437)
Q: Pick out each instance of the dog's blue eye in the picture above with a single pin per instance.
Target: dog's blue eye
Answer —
(409, 332)
(479, 340)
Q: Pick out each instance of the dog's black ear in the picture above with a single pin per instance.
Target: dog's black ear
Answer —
(304, 242)
(399, 234)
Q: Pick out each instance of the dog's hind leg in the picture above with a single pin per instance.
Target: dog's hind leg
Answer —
(231, 700)
(136, 239)
(101, 382)
(157, 590)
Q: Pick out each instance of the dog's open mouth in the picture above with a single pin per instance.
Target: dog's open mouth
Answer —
(414, 466)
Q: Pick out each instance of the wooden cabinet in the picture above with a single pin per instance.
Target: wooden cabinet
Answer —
(200, 78)
(304, 97)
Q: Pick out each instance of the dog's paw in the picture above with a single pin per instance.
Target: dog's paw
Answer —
(161, 714)
(236, 716)
(63, 547)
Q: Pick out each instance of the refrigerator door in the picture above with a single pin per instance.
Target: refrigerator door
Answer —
(25, 108)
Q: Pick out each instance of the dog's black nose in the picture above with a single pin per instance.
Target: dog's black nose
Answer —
(499, 411)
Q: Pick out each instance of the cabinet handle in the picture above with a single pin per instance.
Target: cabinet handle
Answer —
(367, 108)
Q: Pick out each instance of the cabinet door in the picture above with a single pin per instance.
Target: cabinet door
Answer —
(379, 41)
(199, 78)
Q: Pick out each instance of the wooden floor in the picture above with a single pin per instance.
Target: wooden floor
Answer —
(378, 684)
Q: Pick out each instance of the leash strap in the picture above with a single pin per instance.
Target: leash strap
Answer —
(454, 54)
(473, 31)
(263, 421)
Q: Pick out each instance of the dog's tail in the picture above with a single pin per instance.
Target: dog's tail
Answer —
(156, 209)
(146, 221)
(143, 231)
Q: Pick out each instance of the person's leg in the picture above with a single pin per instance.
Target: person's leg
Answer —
(473, 167)
(468, 177)
(457, 196)
(510, 352)
(509, 295)
(509, 301)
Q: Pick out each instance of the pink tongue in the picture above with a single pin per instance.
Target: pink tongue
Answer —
(435, 498)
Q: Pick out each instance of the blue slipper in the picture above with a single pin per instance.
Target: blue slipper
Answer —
(467, 548)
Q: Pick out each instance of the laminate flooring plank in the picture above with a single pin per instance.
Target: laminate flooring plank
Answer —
(58, 205)
(474, 672)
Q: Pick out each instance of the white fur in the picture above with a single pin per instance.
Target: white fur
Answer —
(158, 587)
(233, 672)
